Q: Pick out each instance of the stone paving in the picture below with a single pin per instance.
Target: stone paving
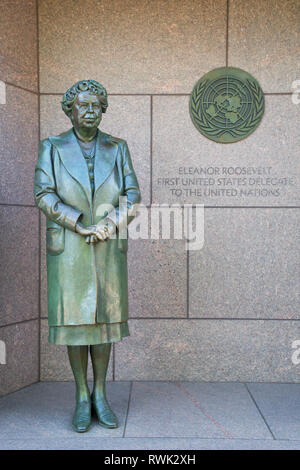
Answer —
(157, 415)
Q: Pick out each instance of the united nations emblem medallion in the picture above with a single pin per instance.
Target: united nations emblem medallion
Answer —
(227, 104)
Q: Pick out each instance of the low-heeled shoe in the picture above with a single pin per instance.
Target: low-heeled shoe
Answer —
(105, 415)
(82, 416)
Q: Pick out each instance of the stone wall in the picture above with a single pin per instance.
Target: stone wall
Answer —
(229, 311)
(19, 233)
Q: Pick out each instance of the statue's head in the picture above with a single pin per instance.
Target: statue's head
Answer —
(84, 103)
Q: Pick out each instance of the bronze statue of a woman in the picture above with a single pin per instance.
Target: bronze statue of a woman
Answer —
(79, 177)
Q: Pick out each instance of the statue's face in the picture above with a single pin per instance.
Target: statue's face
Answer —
(86, 111)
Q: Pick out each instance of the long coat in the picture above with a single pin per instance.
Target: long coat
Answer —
(87, 283)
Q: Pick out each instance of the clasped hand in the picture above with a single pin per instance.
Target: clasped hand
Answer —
(93, 233)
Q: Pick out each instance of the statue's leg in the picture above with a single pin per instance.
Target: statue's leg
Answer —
(100, 357)
(78, 356)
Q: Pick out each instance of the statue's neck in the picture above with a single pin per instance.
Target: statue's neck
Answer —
(86, 135)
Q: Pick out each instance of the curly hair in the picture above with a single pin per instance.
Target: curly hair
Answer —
(92, 86)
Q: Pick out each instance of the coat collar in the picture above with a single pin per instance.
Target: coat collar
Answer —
(73, 160)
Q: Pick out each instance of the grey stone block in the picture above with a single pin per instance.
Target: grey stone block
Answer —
(45, 411)
(18, 146)
(21, 345)
(134, 443)
(18, 37)
(280, 405)
(264, 40)
(134, 47)
(208, 350)
(248, 265)
(193, 410)
(116, 121)
(218, 408)
(55, 364)
(157, 278)
(19, 276)
(262, 170)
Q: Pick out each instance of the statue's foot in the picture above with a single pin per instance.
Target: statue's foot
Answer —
(106, 417)
(82, 416)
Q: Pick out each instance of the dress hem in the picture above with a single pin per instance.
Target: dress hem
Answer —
(87, 335)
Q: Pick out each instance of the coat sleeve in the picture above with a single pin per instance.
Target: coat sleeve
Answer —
(45, 194)
(131, 191)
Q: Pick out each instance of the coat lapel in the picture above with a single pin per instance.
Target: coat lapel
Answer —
(73, 160)
(105, 158)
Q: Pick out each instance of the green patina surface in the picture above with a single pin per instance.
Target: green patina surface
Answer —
(227, 104)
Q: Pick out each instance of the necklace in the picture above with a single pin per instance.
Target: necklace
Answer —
(89, 152)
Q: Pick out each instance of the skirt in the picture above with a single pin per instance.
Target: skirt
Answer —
(84, 335)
